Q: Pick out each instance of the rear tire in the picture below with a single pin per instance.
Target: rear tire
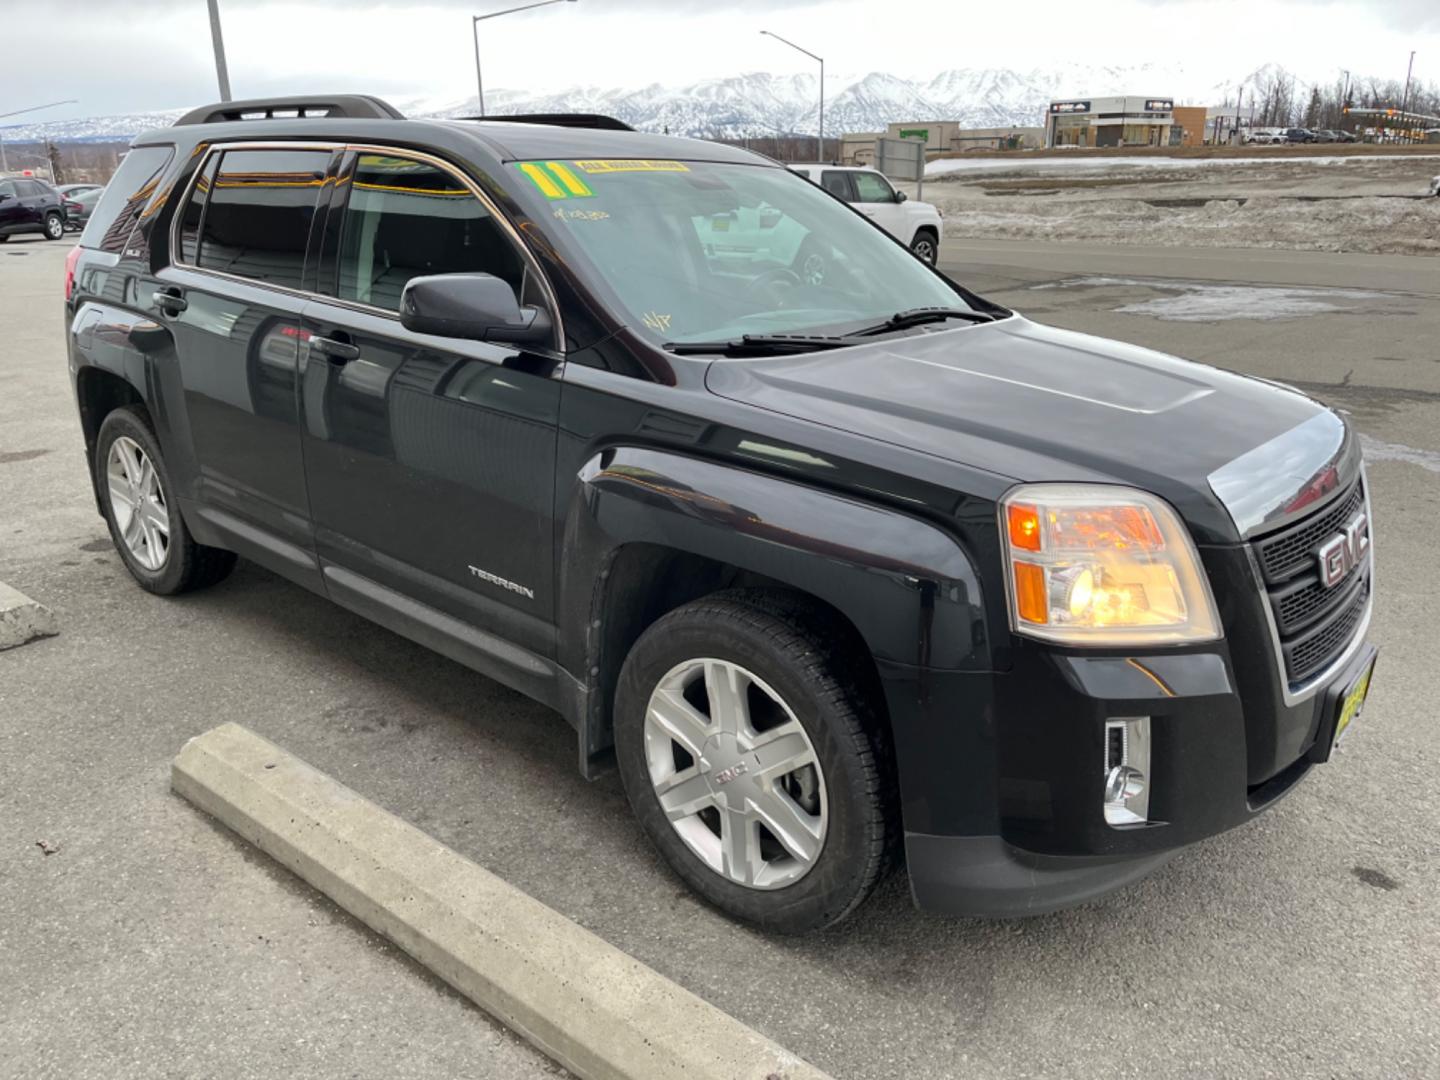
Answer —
(138, 501)
(788, 851)
(54, 226)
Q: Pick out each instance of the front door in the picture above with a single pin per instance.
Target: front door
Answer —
(430, 461)
(875, 198)
(13, 210)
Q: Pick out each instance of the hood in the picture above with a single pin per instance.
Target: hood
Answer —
(1035, 403)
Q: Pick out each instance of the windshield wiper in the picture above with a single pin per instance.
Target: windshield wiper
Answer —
(903, 320)
(762, 345)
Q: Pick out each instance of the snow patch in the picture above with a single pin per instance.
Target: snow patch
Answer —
(1375, 450)
(1081, 163)
(1201, 301)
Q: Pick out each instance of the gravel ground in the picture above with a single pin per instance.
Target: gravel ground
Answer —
(1374, 205)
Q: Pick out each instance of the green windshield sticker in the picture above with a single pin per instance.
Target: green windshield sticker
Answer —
(555, 180)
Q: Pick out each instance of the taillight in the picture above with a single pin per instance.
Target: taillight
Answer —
(70, 261)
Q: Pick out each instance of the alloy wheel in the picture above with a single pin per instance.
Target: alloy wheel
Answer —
(925, 250)
(54, 227)
(736, 773)
(137, 503)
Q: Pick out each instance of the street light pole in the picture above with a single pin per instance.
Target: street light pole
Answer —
(475, 21)
(4, 162)
(222, 72)
(1405, 97)
(821, 155)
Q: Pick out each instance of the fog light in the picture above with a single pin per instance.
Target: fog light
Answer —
(1126, 794)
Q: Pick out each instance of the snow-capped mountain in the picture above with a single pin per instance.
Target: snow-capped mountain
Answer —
(760, 103)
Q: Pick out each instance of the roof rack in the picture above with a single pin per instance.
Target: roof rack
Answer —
(575, 120)
(332, 105)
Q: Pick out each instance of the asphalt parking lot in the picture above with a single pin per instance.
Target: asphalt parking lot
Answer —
(153, 943)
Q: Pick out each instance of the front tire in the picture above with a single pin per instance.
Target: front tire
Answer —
(926, 247)
(54, 226)
(137, 498)
(754, 761)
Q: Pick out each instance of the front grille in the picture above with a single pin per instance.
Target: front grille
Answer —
(1284, 554)
(1315, 622)
(1310, 652)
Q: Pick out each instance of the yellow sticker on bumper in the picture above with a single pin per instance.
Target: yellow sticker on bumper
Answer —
(625, 165)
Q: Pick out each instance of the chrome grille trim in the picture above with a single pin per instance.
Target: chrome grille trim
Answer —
(1296, 692)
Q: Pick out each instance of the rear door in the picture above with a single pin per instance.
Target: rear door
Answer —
(837, 182)
(430, 461)
(32, 200)
(233, 300)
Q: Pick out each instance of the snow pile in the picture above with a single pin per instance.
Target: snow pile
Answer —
(1203, 301)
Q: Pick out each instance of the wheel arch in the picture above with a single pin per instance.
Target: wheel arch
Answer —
(98, 393)
(649, 530)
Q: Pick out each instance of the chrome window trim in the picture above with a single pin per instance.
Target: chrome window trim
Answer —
(506, 225)
(1315, 683)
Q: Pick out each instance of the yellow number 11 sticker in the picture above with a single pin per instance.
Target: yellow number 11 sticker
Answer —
(555, 180)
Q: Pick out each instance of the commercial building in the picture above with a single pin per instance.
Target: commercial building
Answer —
(1110, 121)
(941, 136)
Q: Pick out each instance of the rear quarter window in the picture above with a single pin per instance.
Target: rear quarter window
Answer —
(125, 197)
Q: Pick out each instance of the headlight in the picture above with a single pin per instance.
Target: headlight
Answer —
(1095, 565)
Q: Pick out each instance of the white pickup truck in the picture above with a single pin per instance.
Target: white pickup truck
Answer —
(915, 224)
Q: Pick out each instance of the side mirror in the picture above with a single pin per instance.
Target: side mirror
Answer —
(900, 196)
(5, 195)
(480, 307)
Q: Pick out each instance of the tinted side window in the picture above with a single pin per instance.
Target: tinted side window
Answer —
(124, 198)
(7, 187)
(194, 211)
(256, 221)
(407, 218)
(28, 189)
(838, 184)
(871, 188)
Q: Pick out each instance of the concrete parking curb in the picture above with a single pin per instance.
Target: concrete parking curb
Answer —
(591, 1007)
(22, 619)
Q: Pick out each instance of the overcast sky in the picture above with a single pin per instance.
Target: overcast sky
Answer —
(121, 56)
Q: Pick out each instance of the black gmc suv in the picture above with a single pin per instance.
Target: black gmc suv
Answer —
(835, 560)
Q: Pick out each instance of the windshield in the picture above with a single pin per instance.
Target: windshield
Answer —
(699, 251)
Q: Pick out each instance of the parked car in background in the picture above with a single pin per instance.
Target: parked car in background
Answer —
(1299, 135)
(1325, 135)
(28, 205)
(69, 191)
(917, 225)
(1265, 136)
(80, 205)
(1435, 186)
(1345, 136)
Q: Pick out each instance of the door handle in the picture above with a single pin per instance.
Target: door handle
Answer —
(170, 301)
(337, 352)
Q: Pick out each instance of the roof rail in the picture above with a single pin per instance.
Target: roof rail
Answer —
(299, 107)
(575, 120)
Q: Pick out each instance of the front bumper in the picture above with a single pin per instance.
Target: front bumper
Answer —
(1020, 828)
(984, 876)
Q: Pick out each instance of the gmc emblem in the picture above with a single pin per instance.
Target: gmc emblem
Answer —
(1343, 553)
